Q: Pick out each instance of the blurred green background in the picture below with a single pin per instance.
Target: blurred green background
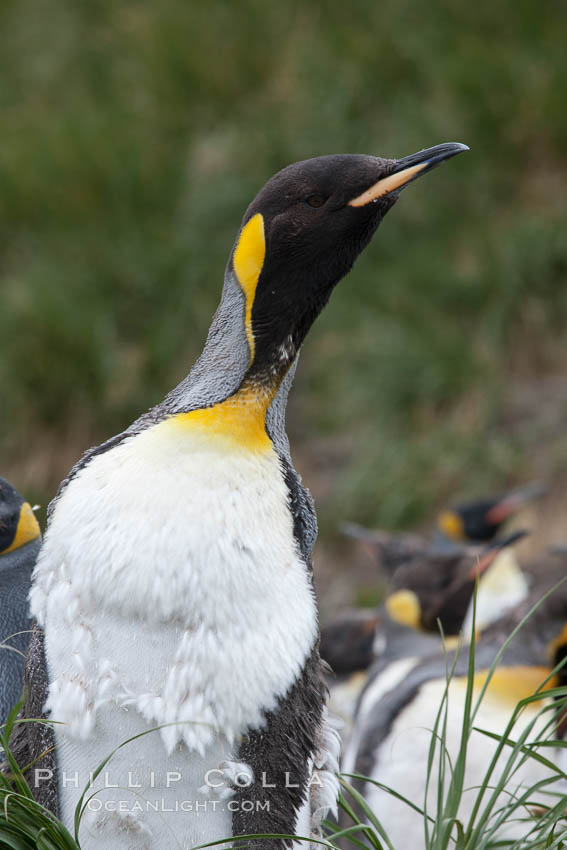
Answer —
(136, 133)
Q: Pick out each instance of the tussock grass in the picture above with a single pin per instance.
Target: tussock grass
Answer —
(499, 801)
(24, 824)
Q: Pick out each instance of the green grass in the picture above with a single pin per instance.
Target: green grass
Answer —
(24, 825)
(500, 799)
(135, 135)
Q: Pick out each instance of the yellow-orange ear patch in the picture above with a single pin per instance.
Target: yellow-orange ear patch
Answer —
(27, 530)
(403, 607)
(451, 525)
(248, 260)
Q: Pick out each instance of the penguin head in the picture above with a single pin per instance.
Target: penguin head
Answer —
(399, 632)
(302, 234)
(437, 586)
(347, 641)
(18, 524)
(481, 521)
(476, 521)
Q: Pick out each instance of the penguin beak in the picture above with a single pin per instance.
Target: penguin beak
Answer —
(406, 170)
(513, 501)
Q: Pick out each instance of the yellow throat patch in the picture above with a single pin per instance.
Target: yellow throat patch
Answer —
(240, 420)
(27, 530)
(248, 260)
(237, 422)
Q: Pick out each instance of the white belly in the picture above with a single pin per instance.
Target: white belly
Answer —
(401, 763)
(144, 798)
(501, 588)
(171, 592)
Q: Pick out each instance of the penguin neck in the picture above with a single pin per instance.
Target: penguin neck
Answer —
(239, 420)
(402, 641)
(275, 335)
(225, 401)
(228, 388)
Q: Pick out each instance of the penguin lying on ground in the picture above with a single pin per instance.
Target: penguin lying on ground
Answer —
(392, 733)
(20, 540)
(174, 585)
(426, 595)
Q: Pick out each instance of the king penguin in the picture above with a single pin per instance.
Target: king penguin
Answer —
(174, 588)
(438, 586)
(393, 728)
(477, 522)
(505, 585)
(482, 520)
(501, 588)
(20, 541)
(428, 596)
(431, 588)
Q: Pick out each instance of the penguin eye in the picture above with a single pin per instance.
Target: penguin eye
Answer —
(315, 200)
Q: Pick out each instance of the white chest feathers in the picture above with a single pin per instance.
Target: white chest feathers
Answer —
(502, 587)
(170, 583)
(403, 761)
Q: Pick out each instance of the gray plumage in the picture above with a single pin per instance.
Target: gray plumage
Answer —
(33, 743)
(15, 624)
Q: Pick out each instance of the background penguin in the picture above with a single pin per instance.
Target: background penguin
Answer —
(347, 647)
(481, 521)
(501, 587)
(393, 727)
(20, 541)
(442, 586)
(429, 590)
(428, 587)
(477, 522)
(397, 649)
(389, 550)
(190, 602)
(505, 584)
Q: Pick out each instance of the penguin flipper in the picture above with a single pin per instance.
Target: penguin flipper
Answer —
(33, 744)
